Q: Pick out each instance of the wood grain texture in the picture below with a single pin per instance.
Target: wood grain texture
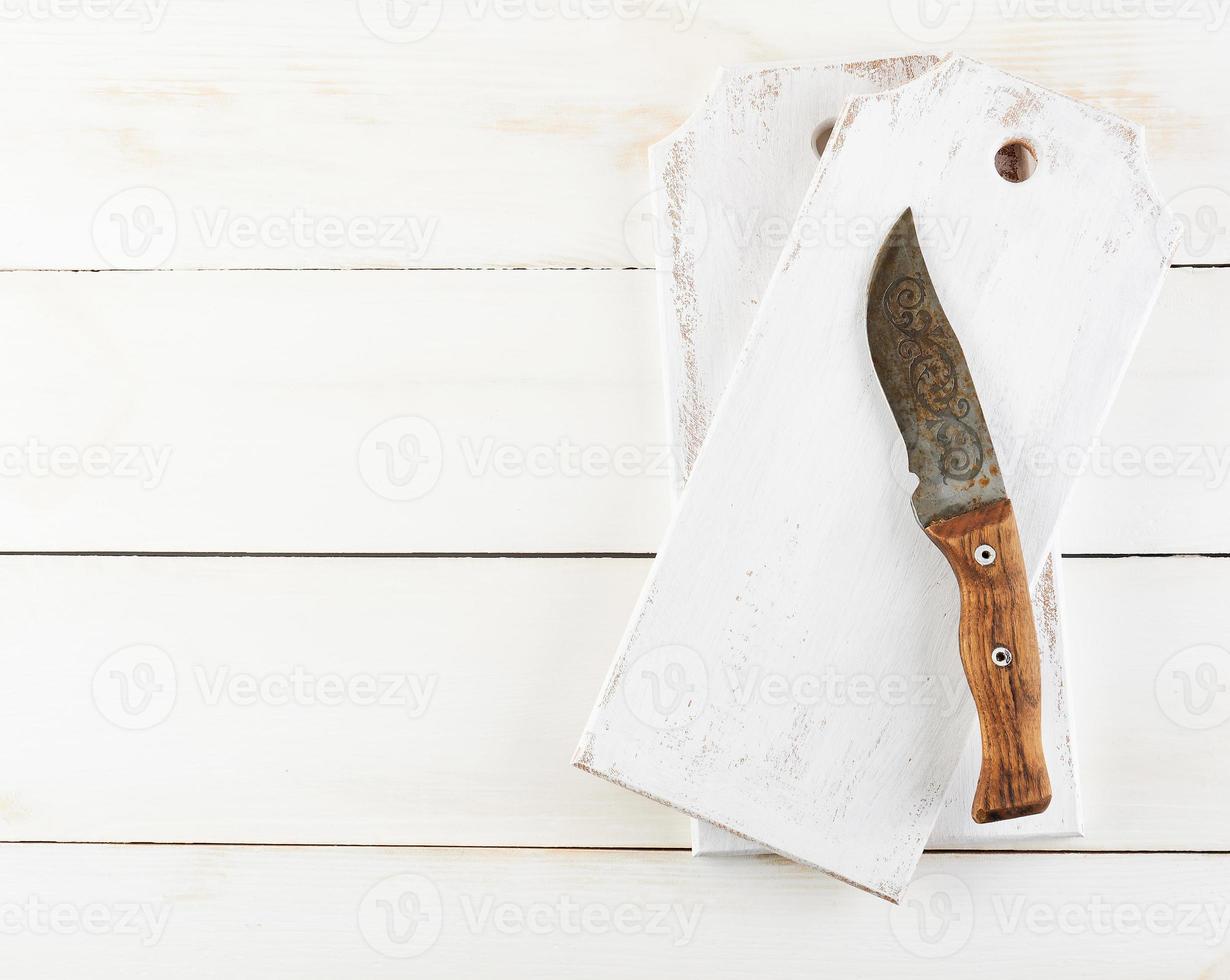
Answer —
(1061, 732)
(729, 188)
(323, 913)
(983, 547)
(239, 412)
(478, 756)
(507, 162)
(1158, 479)
(761, 556)
(311, 700)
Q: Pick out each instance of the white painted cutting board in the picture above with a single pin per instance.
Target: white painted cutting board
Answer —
(794, 547)
(728, 184)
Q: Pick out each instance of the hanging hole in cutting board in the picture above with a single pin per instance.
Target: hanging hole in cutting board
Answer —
(820, 136)
(1016, 161)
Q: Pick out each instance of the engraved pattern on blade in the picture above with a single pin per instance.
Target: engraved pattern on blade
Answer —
(937, 399)
(927, 382)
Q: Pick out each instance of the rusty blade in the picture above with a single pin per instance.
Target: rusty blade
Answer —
(924, 376)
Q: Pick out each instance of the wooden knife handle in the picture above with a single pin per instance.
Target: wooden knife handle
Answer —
(999, 648)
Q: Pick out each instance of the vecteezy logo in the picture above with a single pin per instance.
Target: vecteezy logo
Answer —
(935, 918)
(1193, 687)
(667, 687)
(1203, 216)
(401, 21)
(401, 916)
(655, 228)
(932, 21)
(135, 229)
(135, 687)
(402, 459)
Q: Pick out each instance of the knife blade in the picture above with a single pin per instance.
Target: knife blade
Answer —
(962, 504)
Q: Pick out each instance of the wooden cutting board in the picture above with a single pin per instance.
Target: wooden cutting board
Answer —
(793, 546)
(726, 185)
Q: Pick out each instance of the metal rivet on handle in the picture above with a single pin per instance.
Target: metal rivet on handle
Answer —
(984, 554)
(1001, 657)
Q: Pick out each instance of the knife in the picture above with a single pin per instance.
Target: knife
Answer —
(963, 507)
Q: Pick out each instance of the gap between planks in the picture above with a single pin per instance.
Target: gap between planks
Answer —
(444, 268)
(640, 556)
(492, 555)
(322, 845)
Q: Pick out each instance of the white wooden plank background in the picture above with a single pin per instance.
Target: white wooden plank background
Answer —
(259, 391)
(513, 134)
(358, 912)
(472, 747)
(510, 136)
